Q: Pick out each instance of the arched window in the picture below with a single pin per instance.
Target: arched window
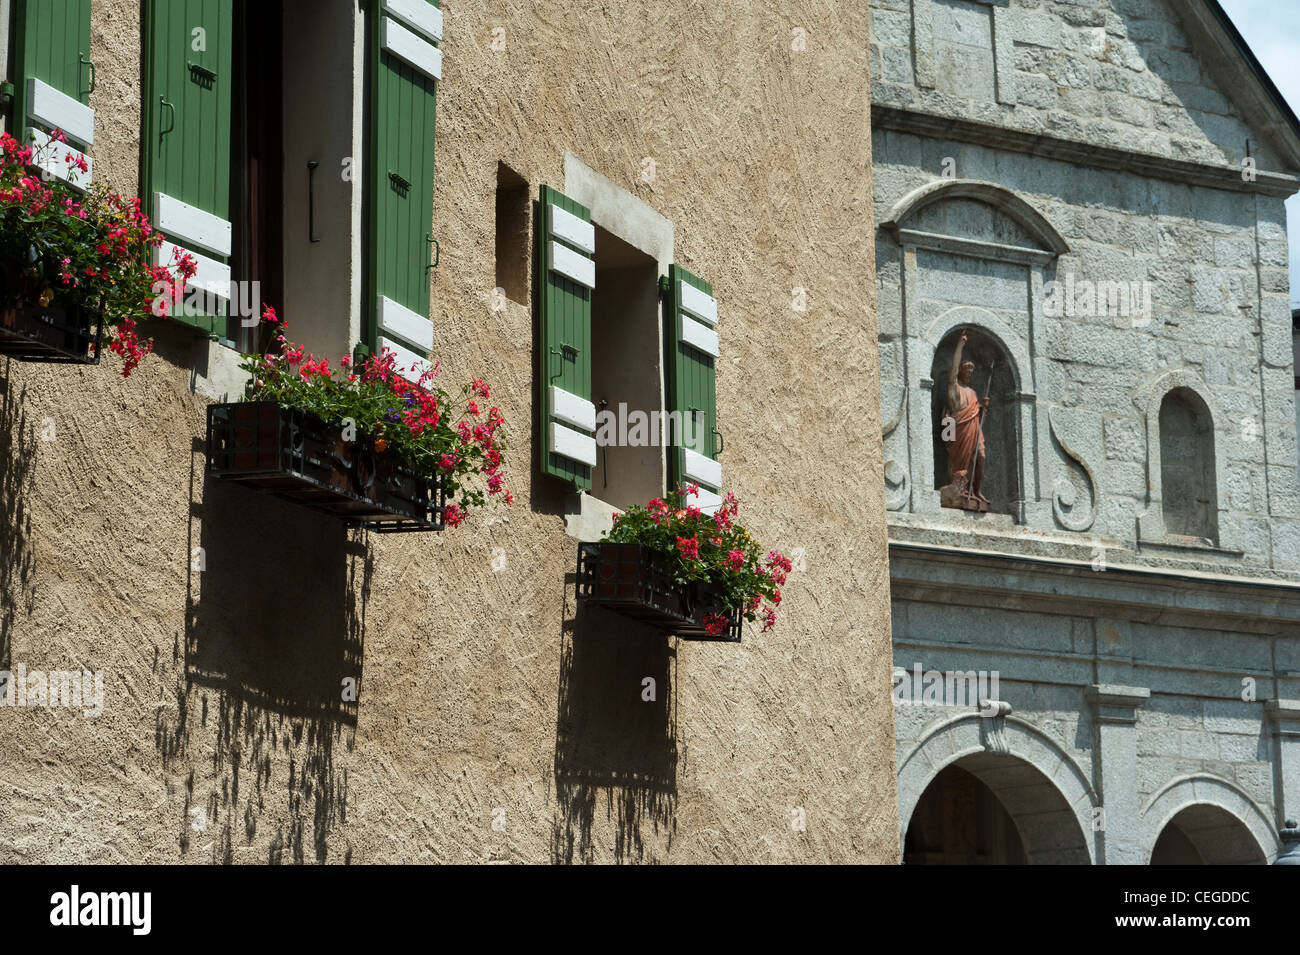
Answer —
(1188, 490)
(994, 377)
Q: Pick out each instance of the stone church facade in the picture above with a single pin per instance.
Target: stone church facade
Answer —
(1092, 193)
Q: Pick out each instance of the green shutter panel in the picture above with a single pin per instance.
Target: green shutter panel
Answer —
(188, 47)
(691, 343)
(406, 65)
(566, 242)
(54, 77)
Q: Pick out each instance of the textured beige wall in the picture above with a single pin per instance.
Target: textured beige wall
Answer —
(484, 689)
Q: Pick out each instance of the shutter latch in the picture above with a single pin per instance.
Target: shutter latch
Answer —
(400, 184)
(202, 75)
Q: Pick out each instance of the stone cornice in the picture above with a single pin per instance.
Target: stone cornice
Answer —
(1117, 704)
(943, 574)
(1152, 166)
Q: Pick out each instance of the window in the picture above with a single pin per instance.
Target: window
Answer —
(613, 338)
(1187, 479)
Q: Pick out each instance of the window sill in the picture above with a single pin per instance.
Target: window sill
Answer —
(587, 518)
(215, 371)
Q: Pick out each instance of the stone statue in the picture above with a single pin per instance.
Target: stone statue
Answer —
(966, 447)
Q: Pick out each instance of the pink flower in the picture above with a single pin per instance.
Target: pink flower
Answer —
(736, 559)
(715, 624)
(688, 547)
(454, 515)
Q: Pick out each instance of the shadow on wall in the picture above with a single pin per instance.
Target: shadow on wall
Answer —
(615, 750)
(274, 629)
(17, 456)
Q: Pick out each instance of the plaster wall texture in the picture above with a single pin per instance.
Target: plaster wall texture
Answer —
(484, 696)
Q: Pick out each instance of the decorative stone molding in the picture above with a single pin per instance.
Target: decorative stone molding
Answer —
(1078, 432)
(1284, 715)
(1001, 198)
(1117, 704)
(993, 726)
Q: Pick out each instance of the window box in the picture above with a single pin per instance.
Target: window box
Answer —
(633, 580)
(50, 333)
(295, 455)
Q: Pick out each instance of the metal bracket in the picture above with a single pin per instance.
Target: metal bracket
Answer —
(437, 252)
(400, 183)
(311, 200)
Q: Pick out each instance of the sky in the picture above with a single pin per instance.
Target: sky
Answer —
(1272, 28)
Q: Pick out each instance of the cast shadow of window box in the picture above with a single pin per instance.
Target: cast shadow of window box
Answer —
(294, 455)
(634, 581)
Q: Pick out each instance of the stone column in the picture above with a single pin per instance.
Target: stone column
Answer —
(1115, 716)
(1284, 716)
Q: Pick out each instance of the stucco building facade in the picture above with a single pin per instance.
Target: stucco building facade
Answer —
(492, 721)
(1092, 193)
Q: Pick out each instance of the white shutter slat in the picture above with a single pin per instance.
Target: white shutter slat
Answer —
(406, 359)
(420, 15)
(572, 409)
(698, 304)
(60, 111)
(412, 50)
(191, 225)
(210, 275)
(575, 231)
(703, 470)
(698, 335)
(397, 319)
(55, 159)
(572, 444)
(573, 265)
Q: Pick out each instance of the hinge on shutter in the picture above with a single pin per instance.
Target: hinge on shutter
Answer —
(6, 95)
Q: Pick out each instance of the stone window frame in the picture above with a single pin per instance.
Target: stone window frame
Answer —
(636, 222)
(1004, 53)
(920, 344)
(1151, 522)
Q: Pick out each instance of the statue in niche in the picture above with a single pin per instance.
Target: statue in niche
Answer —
(964, 415)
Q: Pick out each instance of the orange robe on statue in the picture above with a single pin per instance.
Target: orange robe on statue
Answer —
(967, 435)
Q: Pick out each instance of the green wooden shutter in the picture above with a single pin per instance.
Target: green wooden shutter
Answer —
(405, 67)
(188, 67)
(566, 275)
(53, 79)
(691, 346)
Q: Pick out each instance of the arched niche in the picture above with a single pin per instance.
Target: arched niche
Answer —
(1183, 420)
(1171, 805)
(995, 377)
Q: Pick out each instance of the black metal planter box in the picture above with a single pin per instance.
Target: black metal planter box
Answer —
(51, 333)
(634, 581)
(294, 455)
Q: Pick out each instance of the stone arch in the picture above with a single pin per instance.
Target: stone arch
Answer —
(965, 739)
(1150, 399)
(1204, 789)
(990, 193)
